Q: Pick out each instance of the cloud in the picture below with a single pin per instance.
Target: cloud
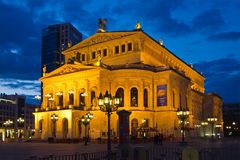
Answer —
(208, 21)
(26, 87)
(225, 36)
(222, 76)
(157, 16)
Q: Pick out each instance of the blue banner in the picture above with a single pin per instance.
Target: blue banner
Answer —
(162, 95)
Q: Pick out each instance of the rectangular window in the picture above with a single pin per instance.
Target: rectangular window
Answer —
(123, 48)
(83, 57)
(129, 46)
(104, 52)
(116, 49)
(93, 55)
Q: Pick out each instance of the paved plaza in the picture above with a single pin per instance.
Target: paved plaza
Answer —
(22, 151)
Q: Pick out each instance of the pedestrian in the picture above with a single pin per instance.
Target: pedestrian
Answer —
(155, 139)
(160, 138)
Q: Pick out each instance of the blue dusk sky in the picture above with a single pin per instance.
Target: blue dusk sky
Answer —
(205, 33)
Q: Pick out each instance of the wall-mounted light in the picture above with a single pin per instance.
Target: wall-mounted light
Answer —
(48, 95)
(84, 94)
(71, 92)
(59, 93)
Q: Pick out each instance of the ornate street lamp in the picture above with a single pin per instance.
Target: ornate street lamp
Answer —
(204, 124)
(108, 104)
(183, 115)
(20, 121)
(54, 119)
(212, 120)
(85, 121)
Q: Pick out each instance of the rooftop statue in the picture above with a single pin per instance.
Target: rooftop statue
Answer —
(138, 26)
(99, 59)
(102, 25)
(44, 69)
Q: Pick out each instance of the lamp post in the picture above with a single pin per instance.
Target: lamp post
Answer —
(86, 120)
(7, 124)
(183, 114)
(20, 121)
(212, 120)
(108, 104)
(54, 119)
(204, 124)
(218, 126)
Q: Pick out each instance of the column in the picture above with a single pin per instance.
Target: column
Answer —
(44, 104)
(127, 94)
(76, 97)
(140, 95)
(65, 95)
(88, 97)
(54, 98)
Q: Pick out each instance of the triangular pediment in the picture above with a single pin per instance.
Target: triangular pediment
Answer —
(66, 69)
(99, 38)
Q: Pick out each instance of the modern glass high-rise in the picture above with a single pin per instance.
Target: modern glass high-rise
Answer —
(55, 39)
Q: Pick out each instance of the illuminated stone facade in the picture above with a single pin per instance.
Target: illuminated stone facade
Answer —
(151, 81)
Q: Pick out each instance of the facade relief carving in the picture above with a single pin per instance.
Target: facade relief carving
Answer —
(68, 69)
(103, 38)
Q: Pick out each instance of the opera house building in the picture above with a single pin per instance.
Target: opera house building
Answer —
(151, 82)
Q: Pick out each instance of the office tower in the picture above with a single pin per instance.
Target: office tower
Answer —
(55, 39)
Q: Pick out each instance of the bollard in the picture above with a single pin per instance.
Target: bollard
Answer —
(190, 153)
(140, 153)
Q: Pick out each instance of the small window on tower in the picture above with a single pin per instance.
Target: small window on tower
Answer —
(93, 55)
(129, 46)
(116, 49)
(83, 57)
(123, 48)
(105, 52)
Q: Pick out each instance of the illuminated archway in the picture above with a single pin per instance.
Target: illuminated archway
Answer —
(134, 127)
(65, 127)
(78, 128)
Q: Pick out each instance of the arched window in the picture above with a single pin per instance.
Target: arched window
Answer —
(78, 129)
(134, 97)
(82, 99)
(134, 126)
(60, 99)
(65, 127)
(120, 95)
(71, 98)
(145, 98)
(93, 96)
